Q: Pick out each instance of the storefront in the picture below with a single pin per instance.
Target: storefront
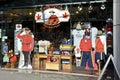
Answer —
(57, 40)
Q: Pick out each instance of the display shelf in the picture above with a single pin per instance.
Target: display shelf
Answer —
(41, 61)
(66, 66)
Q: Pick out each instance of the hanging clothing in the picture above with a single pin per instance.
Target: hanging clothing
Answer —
(43, 46)
(77, 36)
(5, 48)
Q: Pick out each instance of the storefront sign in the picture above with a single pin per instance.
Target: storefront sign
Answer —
(52, 16)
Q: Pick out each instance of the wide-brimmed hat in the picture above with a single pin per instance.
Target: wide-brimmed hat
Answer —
(78, 26)
(51, 11)
(27, 29)
(99, 33)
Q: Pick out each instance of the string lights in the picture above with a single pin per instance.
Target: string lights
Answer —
(73, 7)
(90, 7)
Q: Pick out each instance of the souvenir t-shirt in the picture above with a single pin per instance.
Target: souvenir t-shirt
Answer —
(77, 36)
(43, 45)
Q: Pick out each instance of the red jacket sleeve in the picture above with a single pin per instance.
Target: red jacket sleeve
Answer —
(19, 36)
(32, 44)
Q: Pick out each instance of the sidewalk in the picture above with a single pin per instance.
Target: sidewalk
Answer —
(18, 74)
(77, 73)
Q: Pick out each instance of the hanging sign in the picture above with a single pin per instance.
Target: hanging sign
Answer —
(18, 26)
(52, 16)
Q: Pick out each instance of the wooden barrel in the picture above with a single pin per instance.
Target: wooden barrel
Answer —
(35, 64)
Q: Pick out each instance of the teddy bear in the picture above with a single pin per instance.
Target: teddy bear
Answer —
(12, 60)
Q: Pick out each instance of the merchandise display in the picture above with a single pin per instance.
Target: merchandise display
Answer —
(52, 62)
(50, 58)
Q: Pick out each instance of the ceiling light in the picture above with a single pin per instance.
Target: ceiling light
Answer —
(90, 7)
(76, 12)
(80, 7)
(102, 6)
(30, 13)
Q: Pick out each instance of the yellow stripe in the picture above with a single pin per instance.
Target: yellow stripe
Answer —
(92, 59)
(81, 56)
(101, 56)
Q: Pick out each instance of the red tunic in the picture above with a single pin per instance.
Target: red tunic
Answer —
(85, 44)
(99, 45)
(27, 42)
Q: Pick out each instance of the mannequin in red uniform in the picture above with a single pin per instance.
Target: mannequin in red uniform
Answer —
(86, 46)
(27, 45)
(99, 49)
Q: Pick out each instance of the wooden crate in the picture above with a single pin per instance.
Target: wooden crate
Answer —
(52, 66)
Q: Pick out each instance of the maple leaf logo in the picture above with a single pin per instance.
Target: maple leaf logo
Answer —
(65, 15)
(38, 17)
(18, 26)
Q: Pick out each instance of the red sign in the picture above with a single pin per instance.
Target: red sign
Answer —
(52, 16)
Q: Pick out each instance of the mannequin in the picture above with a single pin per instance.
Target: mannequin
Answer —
(27, 40)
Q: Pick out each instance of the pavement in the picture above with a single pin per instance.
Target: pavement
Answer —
(22, 74)
(77, 73)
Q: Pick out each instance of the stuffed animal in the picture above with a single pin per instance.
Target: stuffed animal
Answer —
(12, 59)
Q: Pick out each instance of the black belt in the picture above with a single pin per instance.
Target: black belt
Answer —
(86, 51)
(26, 43)
(78, 57)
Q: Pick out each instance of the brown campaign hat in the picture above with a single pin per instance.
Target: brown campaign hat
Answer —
(51, 11)
(27, 29)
